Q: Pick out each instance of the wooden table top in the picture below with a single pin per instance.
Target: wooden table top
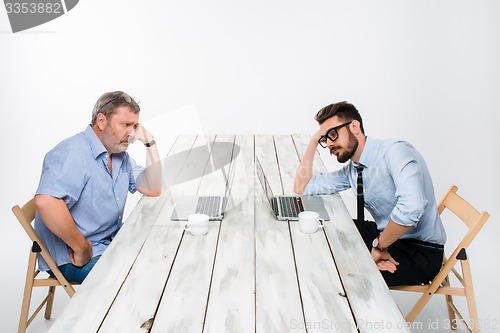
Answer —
(250, 272)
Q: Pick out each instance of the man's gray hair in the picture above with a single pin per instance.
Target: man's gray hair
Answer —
(110, 101)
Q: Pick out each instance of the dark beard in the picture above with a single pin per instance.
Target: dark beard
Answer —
(352, 146)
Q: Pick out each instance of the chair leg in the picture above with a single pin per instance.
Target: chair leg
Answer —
(50, 302)
(469, 295)
(449, 301)
(422, 301)
(28, 290)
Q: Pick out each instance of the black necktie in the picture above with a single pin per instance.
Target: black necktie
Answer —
(360, 197)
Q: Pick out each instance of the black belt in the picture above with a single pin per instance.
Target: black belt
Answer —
(423, 244)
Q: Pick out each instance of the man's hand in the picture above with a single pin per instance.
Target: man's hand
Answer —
(316, 136)
(141, 134)
(384, 261)
(82, 256)
(58, 219)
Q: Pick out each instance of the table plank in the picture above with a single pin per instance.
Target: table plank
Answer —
(323, 297)
(139, 296)
(250, 272)
(364, 285)
(231, 306)
(146, 280)
(183, 307)
(105, 281)
(278, 302)
(370, 299)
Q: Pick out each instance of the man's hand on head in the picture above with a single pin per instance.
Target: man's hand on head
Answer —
(141, 134)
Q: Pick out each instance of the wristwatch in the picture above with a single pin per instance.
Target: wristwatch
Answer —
(150, 143)
(375, 245)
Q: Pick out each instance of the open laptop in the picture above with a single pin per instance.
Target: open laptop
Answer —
(287, 208)
(213, 206)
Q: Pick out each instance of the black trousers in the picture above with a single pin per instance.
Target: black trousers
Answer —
(419, 262)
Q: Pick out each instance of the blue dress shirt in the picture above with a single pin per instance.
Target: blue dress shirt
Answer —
(76, 172)
(397, 186)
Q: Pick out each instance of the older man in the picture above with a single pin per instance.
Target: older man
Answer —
(84, 183)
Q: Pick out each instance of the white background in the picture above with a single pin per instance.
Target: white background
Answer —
(424, 71)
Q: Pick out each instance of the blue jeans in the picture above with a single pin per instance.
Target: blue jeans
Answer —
(76, 274)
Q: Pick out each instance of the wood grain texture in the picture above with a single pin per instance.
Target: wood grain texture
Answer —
(250, 273)
(99, 289)
(142, 290)
(106, 278)
(323, 297)
(183, 307)
(231, 305)
(278, 304)
(364, 285)
(370, 299)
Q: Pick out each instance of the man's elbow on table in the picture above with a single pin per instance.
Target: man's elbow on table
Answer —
(298, 189)
(299, 186)
(155, 192)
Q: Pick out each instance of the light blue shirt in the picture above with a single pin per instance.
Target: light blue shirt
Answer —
(397, 186)
(76, 172)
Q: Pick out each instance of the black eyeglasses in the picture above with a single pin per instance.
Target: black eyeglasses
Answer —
(331, 134)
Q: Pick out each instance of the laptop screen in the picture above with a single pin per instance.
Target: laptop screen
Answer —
(264, 182)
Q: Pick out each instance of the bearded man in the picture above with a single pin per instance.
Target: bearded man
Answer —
(84, 184)
(391, 178)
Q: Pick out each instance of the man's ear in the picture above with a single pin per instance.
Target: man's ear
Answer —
(356, 127)
(101, 121)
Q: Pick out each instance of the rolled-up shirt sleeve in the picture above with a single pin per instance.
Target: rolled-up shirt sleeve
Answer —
(328, 182)
(136, 175)
(407, 174)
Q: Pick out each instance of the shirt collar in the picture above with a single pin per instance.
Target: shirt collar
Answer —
(366, 154)
(95, 144)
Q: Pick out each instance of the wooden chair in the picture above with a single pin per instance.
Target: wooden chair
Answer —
(441, 283)
(26, 215)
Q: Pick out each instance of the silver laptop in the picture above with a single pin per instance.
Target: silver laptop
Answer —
(213, 206)
(287, 208)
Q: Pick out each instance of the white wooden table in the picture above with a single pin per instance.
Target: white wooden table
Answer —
(250, 273)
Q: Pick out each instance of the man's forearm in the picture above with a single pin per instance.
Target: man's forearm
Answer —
(305, 169)
(58, 219)
(152, 174)
(392, 233)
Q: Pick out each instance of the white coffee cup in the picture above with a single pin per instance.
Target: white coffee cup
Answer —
(309, 222)
(196, 225)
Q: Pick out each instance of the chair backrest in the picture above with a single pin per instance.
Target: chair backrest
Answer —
(26, 216)
(465, 212)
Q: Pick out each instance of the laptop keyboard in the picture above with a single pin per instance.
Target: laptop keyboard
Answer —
(208, 205)
(290, 206)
